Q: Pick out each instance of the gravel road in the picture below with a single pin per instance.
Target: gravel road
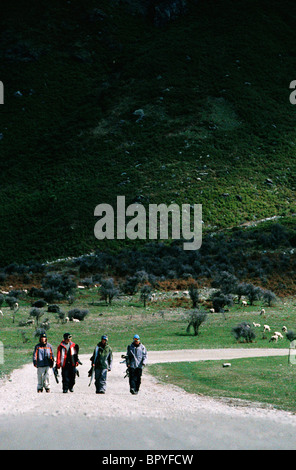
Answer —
(159, 417)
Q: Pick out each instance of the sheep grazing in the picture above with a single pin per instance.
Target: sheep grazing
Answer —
(284, 329)
(256, 325)
(274, 338)
(244, 303)
(278, 334)
(262, 311)
(266, 328)
(75, 320)
(152, 298)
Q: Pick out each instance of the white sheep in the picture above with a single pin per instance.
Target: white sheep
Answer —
(256, 325)
(262, 311)
(274, 338)
(266, 328)
(1, 313)
(277, 333)
(244, 303)
(284, 329)
(15, 307)
(75, 320)
(212, 310)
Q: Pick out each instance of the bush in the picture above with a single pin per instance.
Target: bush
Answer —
(225, 281)
(193, 293)
(77, 314)
(108, 290)
(10, 301)
(219, 300)
(253, 293)
(243, 331)
(53, 308)
(195, 318)
(269, 297)
(36, 313)
(290, 335)
(130, 286)
(39, 303)
(61, 283)
(145, 293)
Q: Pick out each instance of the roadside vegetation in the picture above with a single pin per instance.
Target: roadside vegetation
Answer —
(263, 381)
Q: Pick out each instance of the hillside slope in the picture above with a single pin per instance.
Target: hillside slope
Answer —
(214, 124)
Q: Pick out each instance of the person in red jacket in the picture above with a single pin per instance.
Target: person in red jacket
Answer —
(67, 360)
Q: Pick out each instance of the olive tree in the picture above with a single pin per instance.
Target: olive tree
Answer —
(195, 318)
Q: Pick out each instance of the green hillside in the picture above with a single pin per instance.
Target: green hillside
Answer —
(213, 122)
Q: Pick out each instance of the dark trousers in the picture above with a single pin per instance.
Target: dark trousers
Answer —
(68, 376)
(135, 375)
(100, 379)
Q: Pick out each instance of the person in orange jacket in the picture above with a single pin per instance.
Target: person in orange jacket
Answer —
(67, 360)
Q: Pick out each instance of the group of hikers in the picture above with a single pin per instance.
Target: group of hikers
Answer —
(67, 360)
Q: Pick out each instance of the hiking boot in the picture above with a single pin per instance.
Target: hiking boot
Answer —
(39, 391)
(47, 390)
(133, 391)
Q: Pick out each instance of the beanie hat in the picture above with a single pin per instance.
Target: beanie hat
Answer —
(67, 335)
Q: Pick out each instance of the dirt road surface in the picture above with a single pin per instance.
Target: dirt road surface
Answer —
(159, 417)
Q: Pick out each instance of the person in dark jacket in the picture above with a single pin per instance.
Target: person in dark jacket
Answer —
(136, 359)
(102, 359)
(43, 360)
(67, 360)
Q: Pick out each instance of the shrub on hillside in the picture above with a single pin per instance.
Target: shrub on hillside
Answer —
(195, 319)
(243, 331)
(61, 283)
(108, 290)
(78, 314)
(220, 300)
(36, 313)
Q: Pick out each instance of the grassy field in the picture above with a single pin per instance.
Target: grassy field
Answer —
(264, 380)
(217, 118)
(162, 325)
